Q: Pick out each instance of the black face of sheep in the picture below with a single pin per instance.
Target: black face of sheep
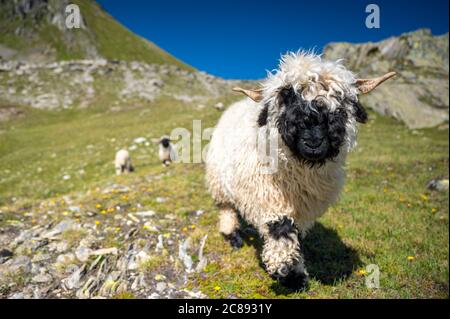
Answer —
(165, 142)
(311, 131)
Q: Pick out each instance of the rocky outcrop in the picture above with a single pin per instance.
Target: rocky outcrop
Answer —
(35, 31)
(27, 20)
(80, 83)
(419, 95)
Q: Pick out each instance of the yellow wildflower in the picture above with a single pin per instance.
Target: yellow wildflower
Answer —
(217, 288)
(410, 258)
(160, 277)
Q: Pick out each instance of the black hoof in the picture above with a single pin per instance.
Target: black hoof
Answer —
(293, 277)
(235, 239)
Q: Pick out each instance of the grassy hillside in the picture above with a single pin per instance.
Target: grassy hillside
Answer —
(386, 216)
(36, 36)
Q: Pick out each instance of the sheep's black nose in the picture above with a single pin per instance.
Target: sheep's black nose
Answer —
(314, 143)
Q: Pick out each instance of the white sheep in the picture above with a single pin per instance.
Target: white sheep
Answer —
(123, 163)
(305, 114)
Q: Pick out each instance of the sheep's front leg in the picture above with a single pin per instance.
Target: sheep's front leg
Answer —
(281, 253)
(229, 227)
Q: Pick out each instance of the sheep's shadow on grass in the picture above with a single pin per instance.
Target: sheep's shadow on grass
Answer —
(328, 259)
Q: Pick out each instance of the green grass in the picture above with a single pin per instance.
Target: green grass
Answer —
(385, 214)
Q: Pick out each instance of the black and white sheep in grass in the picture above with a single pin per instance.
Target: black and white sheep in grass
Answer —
(123, 163)
(308, 108)
(166, 151)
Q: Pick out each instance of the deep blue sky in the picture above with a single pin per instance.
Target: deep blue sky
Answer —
(243, 38)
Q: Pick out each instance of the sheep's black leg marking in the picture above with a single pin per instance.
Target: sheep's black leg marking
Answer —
(282, 228)
(293, 277)
(235, 239)
(283, 235)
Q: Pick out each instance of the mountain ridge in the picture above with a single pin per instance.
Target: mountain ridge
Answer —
(34, 30)
(418, 96)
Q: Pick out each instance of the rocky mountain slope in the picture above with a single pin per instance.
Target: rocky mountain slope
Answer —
(35, 30)
(419, 95)
(47, 66)
(85, 83)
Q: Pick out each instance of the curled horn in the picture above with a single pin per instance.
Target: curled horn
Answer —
(366, 85)
(255, 95)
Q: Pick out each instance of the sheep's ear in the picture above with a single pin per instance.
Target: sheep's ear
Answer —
(367, 85)
(360, 113)
(255, 95)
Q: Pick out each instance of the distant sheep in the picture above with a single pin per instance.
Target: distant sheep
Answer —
(123, 162)
(309, 107)
(165, 151)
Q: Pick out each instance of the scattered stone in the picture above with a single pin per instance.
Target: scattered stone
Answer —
(161, 199)
(184, 256)
(41, 257)
(19, 265)
(104, 251)
(140, 140)
(116, 189)
(17, 295)
(42, 278)
(58, 229)
(65, 259)
(73, 281)
(83, 253)
(161, 286)
(202, 259)
(160, 244)
(149, 213)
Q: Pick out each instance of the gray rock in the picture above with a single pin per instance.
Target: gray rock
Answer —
(161, 286)
(42, 278)
(419, 95)
(20, 264)
(184, 255)
(73, 281)
(17, 295)
(65, 259)
(59, 228)
(41, 257)
(83, 253)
